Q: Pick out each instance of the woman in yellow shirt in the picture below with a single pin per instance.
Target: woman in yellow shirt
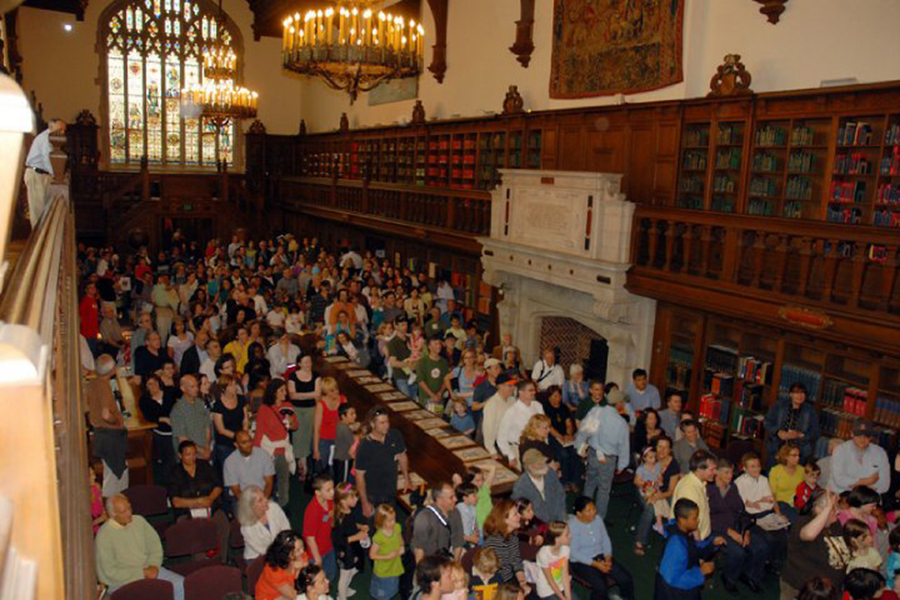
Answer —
(784, 479)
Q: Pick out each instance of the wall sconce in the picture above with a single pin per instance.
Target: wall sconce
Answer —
(772, 9)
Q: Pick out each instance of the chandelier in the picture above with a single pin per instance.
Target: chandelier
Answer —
(351, 48)
(219, 64)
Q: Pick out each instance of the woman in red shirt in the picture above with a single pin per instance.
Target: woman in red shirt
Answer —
(89, 311)
(274, 421)
(285, 558)
(325, 424)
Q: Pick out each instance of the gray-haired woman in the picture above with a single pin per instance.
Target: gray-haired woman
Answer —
(260, 521)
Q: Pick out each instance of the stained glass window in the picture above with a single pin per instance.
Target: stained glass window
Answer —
(151, 54)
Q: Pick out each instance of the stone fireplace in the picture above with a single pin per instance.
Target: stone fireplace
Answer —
(559, 249)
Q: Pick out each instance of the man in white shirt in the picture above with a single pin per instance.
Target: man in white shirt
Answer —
(515, 420)
(495, 408)
(546, 372)
(353, 257)
(282, 354)
(249, 466)
(39, 170)
(860, 462)
(213, 353)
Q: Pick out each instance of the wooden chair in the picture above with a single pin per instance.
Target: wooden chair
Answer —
(236, 545)
(145, 589)
(211, 583)
(192, 538)
(151, 502)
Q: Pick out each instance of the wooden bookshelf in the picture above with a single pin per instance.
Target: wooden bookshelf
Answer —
(694, 165)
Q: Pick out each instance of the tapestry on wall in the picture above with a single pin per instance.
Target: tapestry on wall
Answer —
(603, 47)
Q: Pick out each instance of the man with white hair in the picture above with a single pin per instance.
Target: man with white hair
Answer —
(546, 372)
(127, 549)
(110, 436)
(39, 170)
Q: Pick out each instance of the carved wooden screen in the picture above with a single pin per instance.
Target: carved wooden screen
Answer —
(153, 49)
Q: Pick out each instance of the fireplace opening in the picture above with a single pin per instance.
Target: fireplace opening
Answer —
(575, 343)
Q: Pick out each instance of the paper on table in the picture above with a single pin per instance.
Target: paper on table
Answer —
(403, 406)
(439, 432)
(335, 359)
(431, 423)
(379, 387)
(457, 441)
(472, 454)
(418, 415)
(359, 373)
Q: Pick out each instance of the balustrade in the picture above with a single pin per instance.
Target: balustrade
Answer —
(823, 264)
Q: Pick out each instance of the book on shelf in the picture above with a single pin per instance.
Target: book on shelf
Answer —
(745, 423)
(887, 411)
(854, 163)
(802, 135)
(721, 358)
(770, 136)
(892, 135)
(754, 370)
(855, 133)
(791, 374)
(840, 396)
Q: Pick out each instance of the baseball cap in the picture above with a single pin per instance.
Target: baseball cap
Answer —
(503, 378)
(864, 427)
(491, 362)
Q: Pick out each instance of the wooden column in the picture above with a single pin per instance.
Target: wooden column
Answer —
(438, 66)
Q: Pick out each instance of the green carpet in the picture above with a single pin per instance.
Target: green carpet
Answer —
(642, 568)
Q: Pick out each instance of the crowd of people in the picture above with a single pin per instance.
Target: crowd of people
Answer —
(221, 345)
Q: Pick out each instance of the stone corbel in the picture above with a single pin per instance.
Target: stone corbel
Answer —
(438, 66)
(524, 44)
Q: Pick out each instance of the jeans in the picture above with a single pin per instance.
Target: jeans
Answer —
(163, 458)
(341, 470)
(601, 582)
(749, 561)
(570, 465)
(175, 579)
(329, 565)
(384, 588)
(403, 386)
(645, 523)
(323, 465)
(282, 480)
(220, 453)
(599, 480)
(788, 511)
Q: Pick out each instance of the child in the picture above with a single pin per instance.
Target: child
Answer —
(553, 561)
(317, 525)
(416, 343)
(98, 511)
(893, 562)
(809, 485)
(485, 574)
(349, 536)
(532, 531)
(467, 494)
(344, 439)
(386, 553)
(462, 419)
(648, 480)
(510, 591)
(685, 562)
(866, 584)
(460, 583)
(858, 537)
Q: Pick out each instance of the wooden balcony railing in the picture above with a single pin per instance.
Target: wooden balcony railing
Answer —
(824, 265)
(465, 212)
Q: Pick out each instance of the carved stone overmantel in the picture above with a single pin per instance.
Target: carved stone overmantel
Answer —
(559, 246)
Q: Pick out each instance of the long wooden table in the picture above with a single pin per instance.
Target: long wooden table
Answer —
(427, 436)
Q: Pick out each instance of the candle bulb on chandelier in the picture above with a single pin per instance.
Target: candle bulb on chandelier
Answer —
(329, 15)
(342, 17)
(320, 28)
(367, 26)
(421, 45)
(381, 19)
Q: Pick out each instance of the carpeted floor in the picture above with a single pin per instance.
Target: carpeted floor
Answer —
(623, 518)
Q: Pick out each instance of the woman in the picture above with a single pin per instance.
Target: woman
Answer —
(668, 466)
(229, 415)
(304, 387)
(562, 429)
(576, 388)
(414, 306)
(285, 558)
(325, 423)
(465, 375)
(785, 477)
(274, 421)
(180, 339)
(647, 430)
(261, 521)
(156, 406)
(238, 348)
(346, 348)
(312, 584)
(537, 435)
(500, 529)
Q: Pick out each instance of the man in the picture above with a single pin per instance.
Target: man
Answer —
(377, 458)
(186, 292)
(39, 170)
(111, 338)
(485, 388)
(815, 547)
(515, 419)
(318, 303)
(597, 393)
(546, 372)
(591, 553)
(640, 393)
(249, 466)
(693, 487)
(433, 327)
(431, 371)
(165, 301)
(110, 435)
(437, 529)
(689, 443)
(281, 355)
(191, 419)
(444, 295)
(127, 549)
(860, 462)
(603, 437)
(434, 577)
(391, 310)
(670, 417)
(194, 356)
(149, 358)
(195, 492)
(539, 484)
(792, 420)
(351, 259)
(139, 335)
(213, 354)
(399, 357)
(494, 410)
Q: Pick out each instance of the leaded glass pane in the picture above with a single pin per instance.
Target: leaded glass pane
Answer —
(116, 86)
(192, 124)
(209, 144)
(225, 144)
(154, 108)
(135, 92)
(173, 109)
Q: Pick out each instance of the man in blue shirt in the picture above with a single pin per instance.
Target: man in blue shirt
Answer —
(39, 170)
(591, 555)
(605, 434)
(641, 394)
